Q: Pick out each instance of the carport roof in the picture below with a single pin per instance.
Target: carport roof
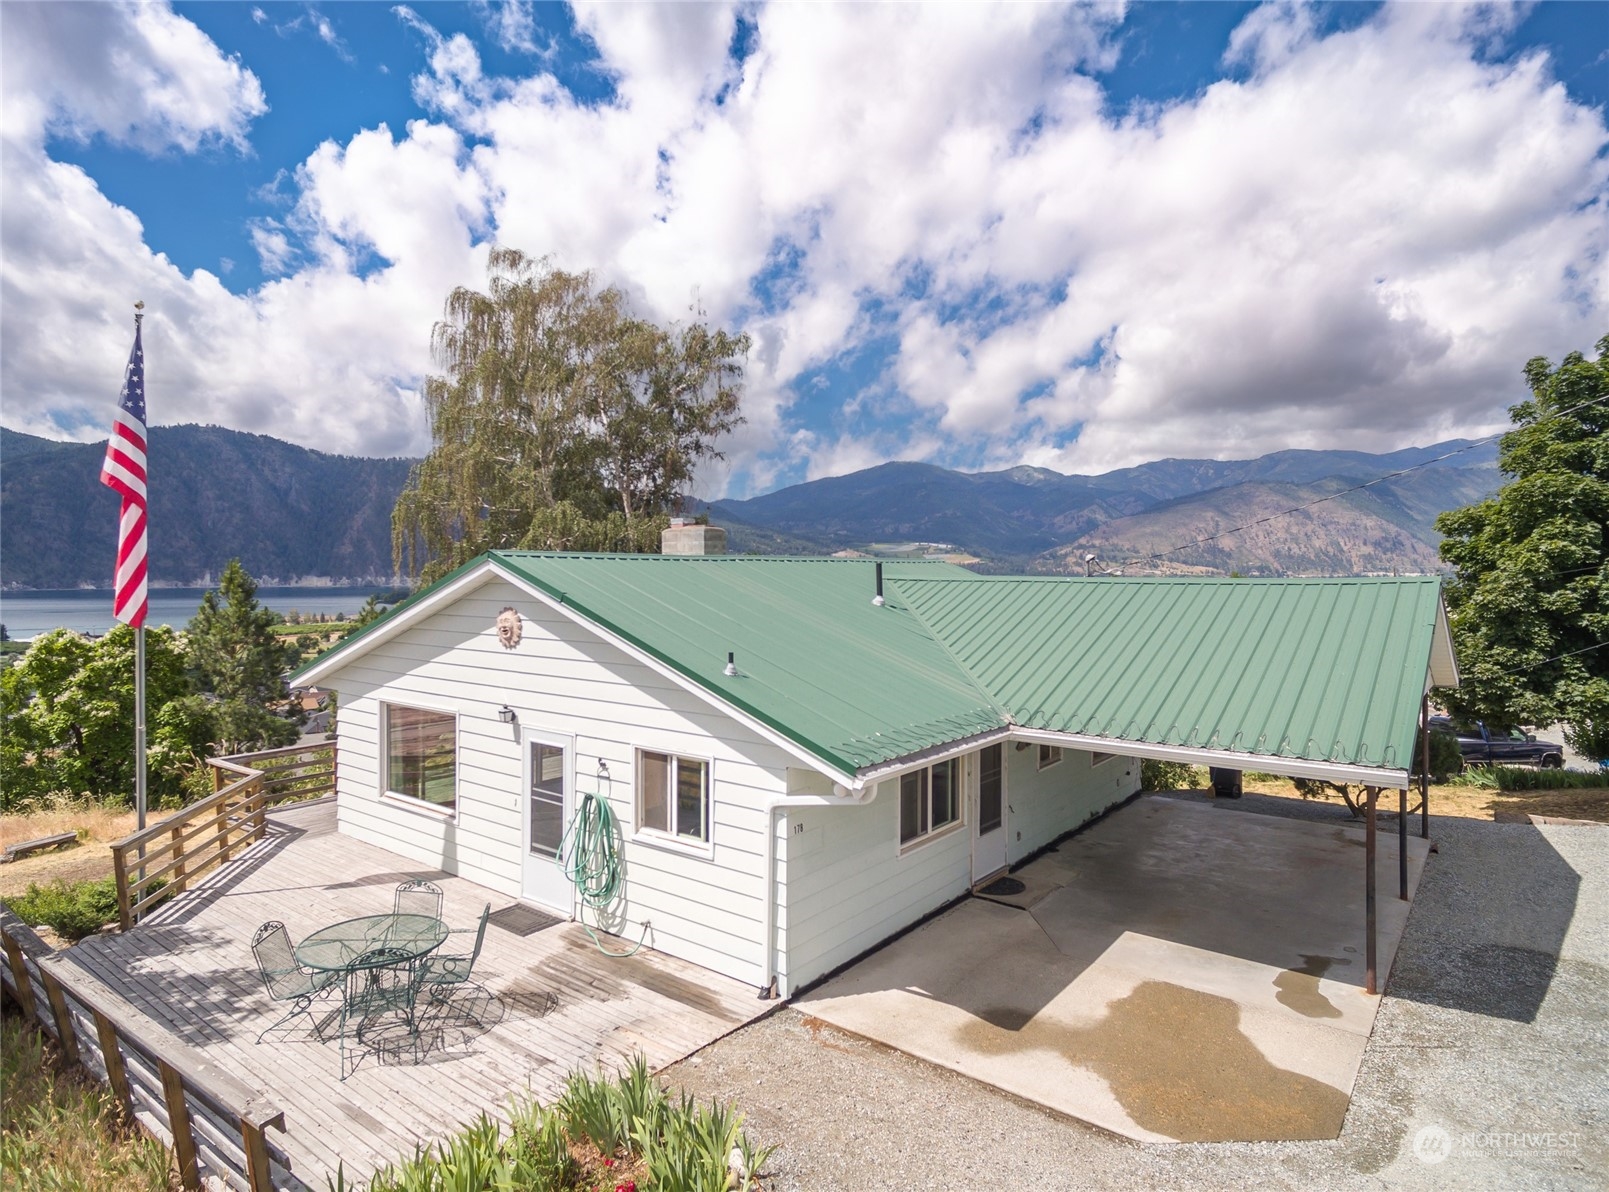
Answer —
(1325, 671)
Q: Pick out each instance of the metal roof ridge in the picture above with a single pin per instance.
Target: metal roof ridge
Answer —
(977, 684)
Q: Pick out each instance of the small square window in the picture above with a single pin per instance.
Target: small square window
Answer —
(1049, 755)
(674, 795)
(1096, 759)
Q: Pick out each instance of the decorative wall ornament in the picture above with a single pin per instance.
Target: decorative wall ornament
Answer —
(509, 629)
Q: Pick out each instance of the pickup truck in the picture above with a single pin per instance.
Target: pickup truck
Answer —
(1482, 746)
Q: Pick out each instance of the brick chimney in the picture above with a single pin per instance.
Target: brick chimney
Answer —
(684, 536)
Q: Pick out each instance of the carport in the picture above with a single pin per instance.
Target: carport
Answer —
(1323, 679)
(1316, 679)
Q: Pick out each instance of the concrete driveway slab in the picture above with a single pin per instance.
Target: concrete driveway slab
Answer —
(1172, 973)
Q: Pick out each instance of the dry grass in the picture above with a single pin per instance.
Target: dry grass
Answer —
(61, 1130)
(1467, 802)
(97, 826)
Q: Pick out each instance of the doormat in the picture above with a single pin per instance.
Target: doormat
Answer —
(1001, 885)
(522, 920)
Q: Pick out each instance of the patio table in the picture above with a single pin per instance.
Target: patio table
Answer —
(368, 950)
(339, 946)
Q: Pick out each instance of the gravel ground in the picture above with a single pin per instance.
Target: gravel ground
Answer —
(1491, 1051)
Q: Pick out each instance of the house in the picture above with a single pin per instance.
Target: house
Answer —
(805, 756)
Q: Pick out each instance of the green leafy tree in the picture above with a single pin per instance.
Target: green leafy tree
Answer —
(560, 421)
(1529, 602)
(67, 718)
(238, 666)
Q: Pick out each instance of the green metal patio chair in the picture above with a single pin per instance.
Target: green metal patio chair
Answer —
(379, 982)
(285, 980)
(417, 897)
(444, 969)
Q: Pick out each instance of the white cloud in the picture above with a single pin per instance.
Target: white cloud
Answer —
(1357, 243)
(136, 74)
(511, 23)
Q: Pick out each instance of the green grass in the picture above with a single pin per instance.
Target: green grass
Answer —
(61, 1132)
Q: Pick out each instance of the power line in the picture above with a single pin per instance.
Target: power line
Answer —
(1556, 658)
(1348, 491)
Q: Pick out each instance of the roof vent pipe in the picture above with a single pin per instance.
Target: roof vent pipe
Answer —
(878, 599)
(731, 664)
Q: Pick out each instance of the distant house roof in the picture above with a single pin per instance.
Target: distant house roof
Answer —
(1325, 672)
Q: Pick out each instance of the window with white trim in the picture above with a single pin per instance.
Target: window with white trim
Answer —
(421, 755)
(673, 795)
(1096, 759)
(1049, 755)
(929, 800)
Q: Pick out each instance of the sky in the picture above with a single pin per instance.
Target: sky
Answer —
(977, 235)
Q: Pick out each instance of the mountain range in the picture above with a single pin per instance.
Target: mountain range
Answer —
(294, 515)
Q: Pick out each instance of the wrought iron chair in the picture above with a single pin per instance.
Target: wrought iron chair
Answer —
(379, 982)
(285, 980)
(418, 897)
(442, 970)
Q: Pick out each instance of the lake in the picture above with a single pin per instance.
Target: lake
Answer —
(27, 614)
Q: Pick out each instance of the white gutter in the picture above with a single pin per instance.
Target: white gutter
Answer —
(768, 975)
(1195, 756)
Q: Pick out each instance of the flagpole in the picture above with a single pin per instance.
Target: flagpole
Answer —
(139, 687)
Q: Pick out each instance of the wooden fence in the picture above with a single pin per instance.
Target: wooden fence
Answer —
(215, 1124)
(166, 857)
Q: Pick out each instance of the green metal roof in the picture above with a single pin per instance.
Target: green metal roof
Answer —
(816, 660)
(1317, 669)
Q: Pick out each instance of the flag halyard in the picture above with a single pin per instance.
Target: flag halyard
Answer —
(124, 471)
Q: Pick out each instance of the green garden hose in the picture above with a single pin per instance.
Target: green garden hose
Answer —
(590, 857)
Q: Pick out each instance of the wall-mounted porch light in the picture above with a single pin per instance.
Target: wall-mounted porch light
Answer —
(506, 714)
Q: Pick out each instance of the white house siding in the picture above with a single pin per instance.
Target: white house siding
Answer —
(848, 886)
(1045, 803)
(563, 679)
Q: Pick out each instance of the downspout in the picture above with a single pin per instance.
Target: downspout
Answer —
(768, 976)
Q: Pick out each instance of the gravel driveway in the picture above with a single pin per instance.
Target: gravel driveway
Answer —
(1488, 1067)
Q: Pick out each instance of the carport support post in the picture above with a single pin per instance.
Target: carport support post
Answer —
(1402, 844)
(1373, 793)
(1424, 767)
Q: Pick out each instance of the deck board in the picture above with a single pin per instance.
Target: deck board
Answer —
(556, 1002)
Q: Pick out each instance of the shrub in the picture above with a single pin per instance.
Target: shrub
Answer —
(1169, 776)
(72, 911)
(1445, 757)
(1524, 778)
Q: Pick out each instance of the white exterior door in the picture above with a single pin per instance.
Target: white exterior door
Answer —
(549, 779)
(988, 788)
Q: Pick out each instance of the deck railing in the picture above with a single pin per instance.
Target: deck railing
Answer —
(215, 1123)
(162, 860)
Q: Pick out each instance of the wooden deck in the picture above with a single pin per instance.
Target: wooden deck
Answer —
(549, 1001)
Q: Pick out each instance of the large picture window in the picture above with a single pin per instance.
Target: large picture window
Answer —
(675, 795)
(929, 800)
(421, 755)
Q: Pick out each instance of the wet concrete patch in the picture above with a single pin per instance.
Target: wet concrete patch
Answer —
(1299, 988)
(1207, 1083)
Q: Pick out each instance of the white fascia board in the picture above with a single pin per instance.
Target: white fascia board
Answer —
(342, 655)
(675, 676)
(883, 771)
(1289, 766)
(1293, 767)
(1443, 669)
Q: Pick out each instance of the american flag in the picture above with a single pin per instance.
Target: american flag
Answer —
(124, 470)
